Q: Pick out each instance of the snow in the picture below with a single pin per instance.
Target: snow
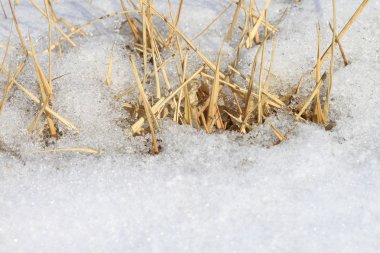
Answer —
(316, 192)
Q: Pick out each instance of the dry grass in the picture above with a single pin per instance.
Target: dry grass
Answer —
(319, 114)
(209, 98)
(213, 100)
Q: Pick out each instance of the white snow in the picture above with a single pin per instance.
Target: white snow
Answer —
(316, 192)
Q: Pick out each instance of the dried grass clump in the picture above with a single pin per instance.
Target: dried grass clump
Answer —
(47, 119)
(313, 109)
(207, 98)
(211, 97)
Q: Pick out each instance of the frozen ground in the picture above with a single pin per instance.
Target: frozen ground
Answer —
(316, 192)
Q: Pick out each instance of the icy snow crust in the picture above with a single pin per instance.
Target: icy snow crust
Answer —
(316, 192)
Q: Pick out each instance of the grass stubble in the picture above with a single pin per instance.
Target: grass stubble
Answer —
(209, 98)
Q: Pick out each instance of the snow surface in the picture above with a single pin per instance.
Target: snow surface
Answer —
(316, 192)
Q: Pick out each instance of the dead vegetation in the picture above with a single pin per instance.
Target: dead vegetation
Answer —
(212, 98)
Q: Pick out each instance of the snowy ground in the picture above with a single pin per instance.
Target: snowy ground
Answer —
(316, 192)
